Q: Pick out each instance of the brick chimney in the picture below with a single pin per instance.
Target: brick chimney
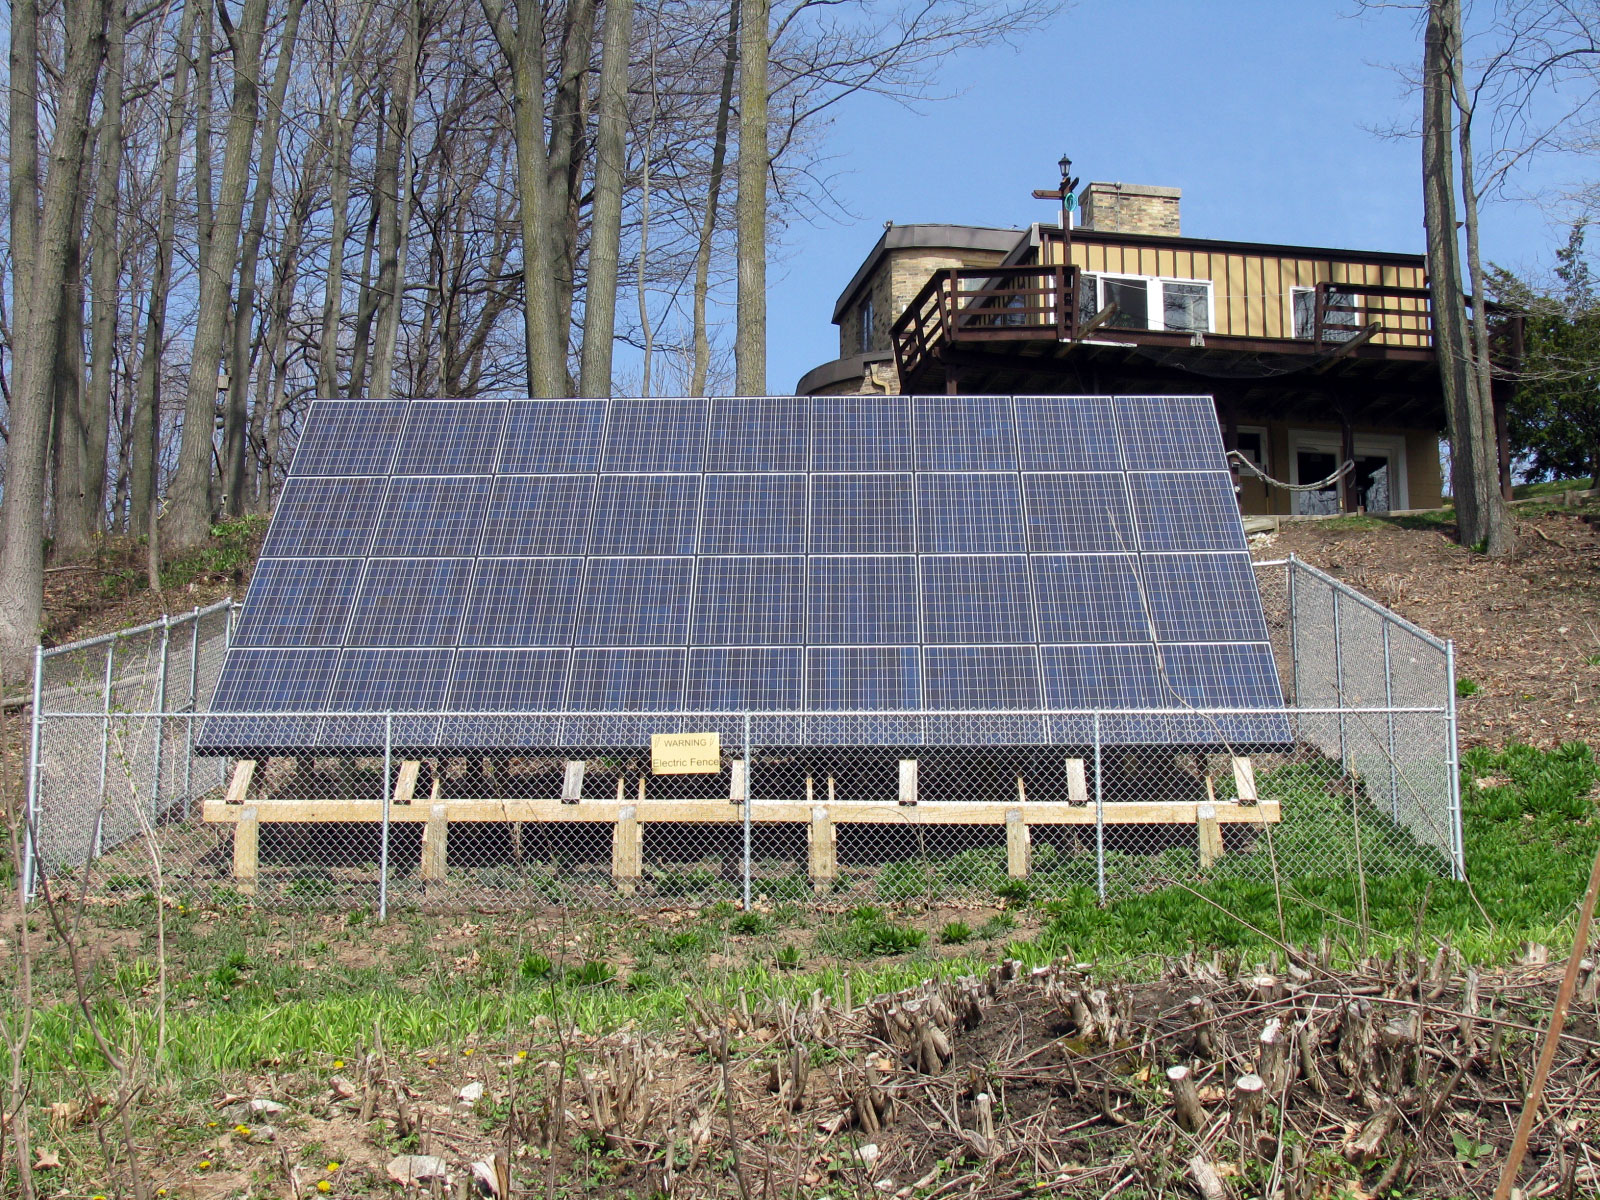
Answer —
(1130, 208)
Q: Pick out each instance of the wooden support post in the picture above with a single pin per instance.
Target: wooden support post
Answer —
(908, 781)
(1022, 791)
(823, 842)
(435, 844)
(572, 782)
(1244, 780)
(736, 782)
(246, 846)
(627, 849)
(405, 783)
(1209, 834)
(1019, 845)
(244, 772)
(1077, 782)
(622, 787)
(1349, 497)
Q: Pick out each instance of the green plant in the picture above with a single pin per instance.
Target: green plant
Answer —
(1014, 891)
(907, 879)
(1467, 687)
(308, 883)
(788, 957)
(996, 926)
(955, 933)
(749, 923)
(592, 974)
(535, 967)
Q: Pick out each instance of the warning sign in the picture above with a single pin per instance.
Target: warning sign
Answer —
(685, 753)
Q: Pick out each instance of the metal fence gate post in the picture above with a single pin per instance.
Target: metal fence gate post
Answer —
(749, 801)
(1338, 683)
(383, 847)
(1388, 703)
(194, 703)
(1458, 857)
(1294, 633)
(161, 708)
(1099, 818)
(30, 851)
(105, 749)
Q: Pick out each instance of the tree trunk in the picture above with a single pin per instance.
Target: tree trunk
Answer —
(383, 171)
(523, 47)
(189, 509)
(605, 231)
(1493, 520)
(708, 223)
(1444, 263)
(23, 162)
(750, 338)
(22, 506)
(69, 538)
(397, 205)
(204, 85)
(144, 466)
(106, 267)
(568, 124)
(235, 441)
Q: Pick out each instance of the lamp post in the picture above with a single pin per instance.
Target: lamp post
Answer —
(1064, 193)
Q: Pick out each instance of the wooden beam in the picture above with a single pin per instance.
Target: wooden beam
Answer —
(627, 849)
(1089, 326)
(1244, 781)
(405, 783)
(246, 847)
(1019, 845)
(822, 841)
(435, 843)
(244, 771)
(1077, 782)
(1209, 833)
(572, 782)
(720, 812)
(1371, 330)
(908, 781)
(736, 781)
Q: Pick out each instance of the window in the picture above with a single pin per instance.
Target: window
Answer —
(1144, 302)
(1340, 320)
(1252, 443)
(865, 332)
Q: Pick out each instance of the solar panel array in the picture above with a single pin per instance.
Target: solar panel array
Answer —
(837, 554)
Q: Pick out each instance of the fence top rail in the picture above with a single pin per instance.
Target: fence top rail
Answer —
(883, 714)
(169, 622)
(1340, 586)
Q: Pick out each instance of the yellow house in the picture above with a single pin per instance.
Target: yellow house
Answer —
(1314, 356)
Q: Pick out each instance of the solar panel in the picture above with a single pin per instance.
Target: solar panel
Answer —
(879, 566)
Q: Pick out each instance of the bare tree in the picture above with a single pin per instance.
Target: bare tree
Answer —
(600, 307)
(750, 353)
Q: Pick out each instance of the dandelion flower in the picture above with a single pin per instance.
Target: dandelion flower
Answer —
(338, 1063)
(204, 1164)
(467, 1053)
(324, 1186)
(242, 1130)
(332, 1167)
(98, 1196)
(521, 1055)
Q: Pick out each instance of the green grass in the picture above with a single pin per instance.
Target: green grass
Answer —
(251, 987)
(1550, 487)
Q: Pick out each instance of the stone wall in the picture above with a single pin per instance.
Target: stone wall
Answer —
(898, 279)
(1130, 208)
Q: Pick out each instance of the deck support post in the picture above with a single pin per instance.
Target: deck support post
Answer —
(246, 848)
(1019, 845)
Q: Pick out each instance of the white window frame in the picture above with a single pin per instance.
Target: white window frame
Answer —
(1326, 441)
(1155, 285)
(1266, 446)
(1353, 325)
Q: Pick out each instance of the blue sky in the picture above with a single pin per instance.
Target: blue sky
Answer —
(1264, 112)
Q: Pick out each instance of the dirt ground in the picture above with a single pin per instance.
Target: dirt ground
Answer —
(1526, 627)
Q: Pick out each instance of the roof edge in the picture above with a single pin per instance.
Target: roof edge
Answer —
(925, 237)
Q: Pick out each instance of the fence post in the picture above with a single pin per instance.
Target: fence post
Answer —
(1388, 702)
(1338, 682)
(1458, 858)
(383, 847)
(1294, 632)
(105, 750)
(749, 801)
(193, 705)
(30, 851)
(161, 725)
(1099, 818)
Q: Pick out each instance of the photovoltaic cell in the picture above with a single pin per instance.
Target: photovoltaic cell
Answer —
(981, 676)
(432, 516)
(1186, 510)
(754, 514)
(553, 437)
(300, 602)
(869, 553)
(538, 514)
(635, 602)
(981, 599)
(410, 602)
(965, 433)
(451, 437)
(868, 599)
(1171, 433)
(861, 433)
(969, 514)
(325, 518)
(1090, 598)
(868, 677)
(659, 434)
(749, 602)
(523, 602)
(1083, 513)
(759, 677)
(1067, 433)
(759, 433)
(863, 514)
(349, 437)
(645, 514)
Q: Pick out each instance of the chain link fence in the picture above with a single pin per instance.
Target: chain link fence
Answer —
(1358, 774)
